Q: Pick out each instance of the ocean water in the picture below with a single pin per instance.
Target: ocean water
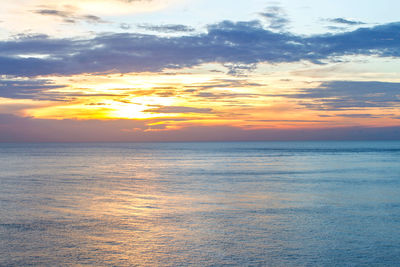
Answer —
(200, 204)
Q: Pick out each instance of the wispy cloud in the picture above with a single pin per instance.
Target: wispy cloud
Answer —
(360, 116)
(167, 28)
(346, 21)
(178, 109)
(276, 17)
(224, 96)
(222, 83)
(69, 16)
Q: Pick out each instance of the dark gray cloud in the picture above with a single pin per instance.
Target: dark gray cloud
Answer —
(240, 69)
(346, 21)
(69, 16)
(345, 95)
(178, 109)
(44, 89)
(52, 12)
(27, 89)
(241, 43)
(359, 116)
(167, 28)
(276, 17)
(92, 19)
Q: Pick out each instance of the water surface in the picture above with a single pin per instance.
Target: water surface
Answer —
(203, 204)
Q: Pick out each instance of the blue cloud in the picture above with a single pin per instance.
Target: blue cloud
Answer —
(359, 116)
(383, 40)
(227, 42)
(345, 95)
(28, 89)
(41, 89)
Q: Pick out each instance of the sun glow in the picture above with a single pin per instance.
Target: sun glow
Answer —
(137, 106)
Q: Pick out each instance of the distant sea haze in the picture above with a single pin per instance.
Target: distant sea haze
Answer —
(200, 204)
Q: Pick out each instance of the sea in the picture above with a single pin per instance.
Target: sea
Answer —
(200, 204)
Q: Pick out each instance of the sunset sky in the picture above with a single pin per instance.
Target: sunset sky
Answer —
(187, 70)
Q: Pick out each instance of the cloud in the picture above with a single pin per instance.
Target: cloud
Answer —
(227, 97)
(335, 28)
(382, 40)
(125, 26)
(360, 116)
(92, 19)
(346, 21)
(240, 43)
(221, 83)
(53, 12)
(204, 91)
(45, 89)
(27, 89)
(240, 69)
(167, 28)
(178, 109)
(17, 129)
(276, 17)
(69, 16)
(344, 95)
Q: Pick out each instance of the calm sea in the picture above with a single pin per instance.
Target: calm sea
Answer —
(201, 204)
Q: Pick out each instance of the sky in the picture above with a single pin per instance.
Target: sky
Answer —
(199, 70)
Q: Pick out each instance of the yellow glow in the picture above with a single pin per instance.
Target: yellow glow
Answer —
(205, 99)
(135, 110)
